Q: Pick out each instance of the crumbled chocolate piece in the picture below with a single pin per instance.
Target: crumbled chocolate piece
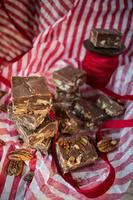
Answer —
(75, 151)
(105, 38)
(111, 107)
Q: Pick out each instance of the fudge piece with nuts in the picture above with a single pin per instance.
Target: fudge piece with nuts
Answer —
(68, 79)
(105, 38)
(111, 107)
(68, 122)
(75, 151)
(87, 111)
(30, 94)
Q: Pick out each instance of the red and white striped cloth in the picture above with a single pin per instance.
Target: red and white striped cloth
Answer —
(61, 26)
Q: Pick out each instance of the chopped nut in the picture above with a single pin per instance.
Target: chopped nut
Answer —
(71, 161)
(76, 146)
(78, 159)
(84, 141)
(107, 145)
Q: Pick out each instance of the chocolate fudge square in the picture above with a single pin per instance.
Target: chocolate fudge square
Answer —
(69, 78)
(111, 107)
(75, 151)
(89, 112)
(106, 38)
(28, 93)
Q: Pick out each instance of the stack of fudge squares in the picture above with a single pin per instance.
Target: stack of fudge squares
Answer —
(76, 114)
(31, 104)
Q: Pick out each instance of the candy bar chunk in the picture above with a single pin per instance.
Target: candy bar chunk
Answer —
(28, 93)
(111, 107)
(88, 112)
(105, 38)
(68, 78)
(75, 151)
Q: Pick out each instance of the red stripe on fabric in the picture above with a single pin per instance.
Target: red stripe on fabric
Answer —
(15, 184)
(7, 44)
(4, 131)
(13, 36)
(118, 169)
(28, 21)
(122, 15)
(31, 56)
(5, 82)
(38, 67)
(19, 65)
(1, 152)
(125, 34)
(114, 14)
(7, 121)
(57, 10)
(61, 187)
(22, 22)
(32, 165)
(56, 59)
(48, 11)
(76, 27)
(104, 18)
(27, 4)
(68, 25)
(52, 53)
(23, 9)
(44, 187)
(9, 48)
(63, 3)
(86, 24)
(45, 20)
(28, 59)
(3, 171)
(14, 22)
(30, 195)
(119, 25)
(98, 13)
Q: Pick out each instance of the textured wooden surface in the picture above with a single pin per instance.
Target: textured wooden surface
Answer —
(129, 193)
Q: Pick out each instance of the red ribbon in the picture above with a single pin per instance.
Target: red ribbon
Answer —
(99, 68)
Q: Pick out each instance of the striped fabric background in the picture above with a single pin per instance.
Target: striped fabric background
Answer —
(57, 29)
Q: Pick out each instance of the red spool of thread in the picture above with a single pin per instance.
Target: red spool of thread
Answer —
(99, 68)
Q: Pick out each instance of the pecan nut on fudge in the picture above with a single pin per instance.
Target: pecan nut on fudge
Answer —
(75, 151)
